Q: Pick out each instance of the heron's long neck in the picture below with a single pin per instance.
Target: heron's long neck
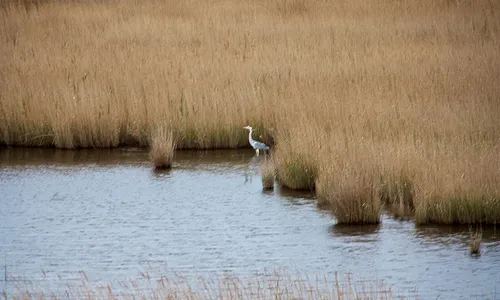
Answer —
(250, 135)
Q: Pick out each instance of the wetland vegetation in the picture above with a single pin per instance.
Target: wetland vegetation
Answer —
(366, 102)
(270, 284)
(209, 217)
(162, 148)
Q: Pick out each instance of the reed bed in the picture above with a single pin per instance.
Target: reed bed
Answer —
(268, 285)
(368, 102)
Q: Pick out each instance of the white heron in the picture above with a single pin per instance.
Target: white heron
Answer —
(256, 144)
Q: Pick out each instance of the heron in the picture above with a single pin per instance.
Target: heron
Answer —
(256, 144)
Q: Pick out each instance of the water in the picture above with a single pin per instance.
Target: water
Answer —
(108, 213)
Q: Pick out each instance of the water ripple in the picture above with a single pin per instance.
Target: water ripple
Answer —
(109, 214)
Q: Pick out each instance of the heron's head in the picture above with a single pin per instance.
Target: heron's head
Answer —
(248, 127)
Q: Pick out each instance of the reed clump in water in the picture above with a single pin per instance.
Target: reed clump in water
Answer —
(296, 174)
(267, 171)
(475, 243)
(162, 148)
(352, 201)
(399, 88)
(295, 167)
(396, 193)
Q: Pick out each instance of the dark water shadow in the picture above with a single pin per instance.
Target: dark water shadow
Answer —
(161, 174)
(220, 161)
(295, 197)
(443, 233)
(287, 192)
(267, 192)
(22, 156)
(354, 230)
(183, 159)
(233, 156)
(398, 212)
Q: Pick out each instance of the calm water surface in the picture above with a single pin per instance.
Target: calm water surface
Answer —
(108, 213)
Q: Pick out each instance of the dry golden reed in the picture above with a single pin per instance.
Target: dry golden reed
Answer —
(275, 284)
(475, 243)
(162, 148)
(361, 97)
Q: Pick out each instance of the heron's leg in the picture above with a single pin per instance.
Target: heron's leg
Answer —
(257, 152)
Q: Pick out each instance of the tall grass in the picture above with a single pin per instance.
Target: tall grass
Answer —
(359, 96)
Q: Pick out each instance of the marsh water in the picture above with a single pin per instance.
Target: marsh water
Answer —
(109, 214)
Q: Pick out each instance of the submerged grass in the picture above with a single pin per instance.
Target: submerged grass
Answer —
(400, 101)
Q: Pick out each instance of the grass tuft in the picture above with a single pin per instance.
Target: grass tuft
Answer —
(162, 148)
(458, 210)
(352, 197)
(475, 243)
(268, 172)
(396, 193)
(296, 174)
(295, 166)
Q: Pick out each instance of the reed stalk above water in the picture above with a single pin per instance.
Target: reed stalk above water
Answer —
(162, 149)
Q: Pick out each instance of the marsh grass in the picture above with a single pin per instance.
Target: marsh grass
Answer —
(268, 172)
(276, 284)
(396, 193)
(290, 8)
(162, 148)
(295, 168)
(351, 201)
(400, 211)
(351, 89)
(458, 210)
(397, 190)
(296, 174)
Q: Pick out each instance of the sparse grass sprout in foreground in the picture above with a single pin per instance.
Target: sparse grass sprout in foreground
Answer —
(269, 285)
(162, 148)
